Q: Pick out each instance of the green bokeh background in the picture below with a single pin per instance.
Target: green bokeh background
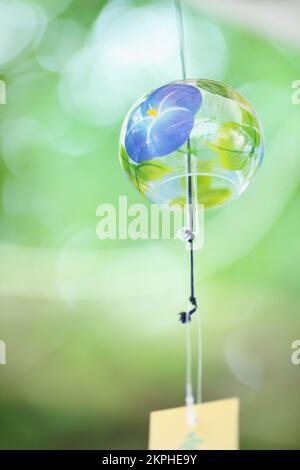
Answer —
(93, 342)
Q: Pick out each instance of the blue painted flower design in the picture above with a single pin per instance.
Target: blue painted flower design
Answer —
(163, 122)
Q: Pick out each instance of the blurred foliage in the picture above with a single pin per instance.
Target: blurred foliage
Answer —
(93, 344)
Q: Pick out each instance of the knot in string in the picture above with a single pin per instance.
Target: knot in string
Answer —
(185, 317)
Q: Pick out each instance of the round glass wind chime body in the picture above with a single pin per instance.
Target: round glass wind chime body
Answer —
(208, 121)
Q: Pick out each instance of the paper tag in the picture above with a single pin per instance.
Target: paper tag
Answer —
(217, 427)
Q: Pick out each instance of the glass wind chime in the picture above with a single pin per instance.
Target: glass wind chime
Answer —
(206, 144)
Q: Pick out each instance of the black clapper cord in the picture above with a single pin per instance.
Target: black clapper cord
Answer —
(186, 316)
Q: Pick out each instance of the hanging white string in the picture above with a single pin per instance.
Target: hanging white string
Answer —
(199, 364)
(189, 398)
(180, 36)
